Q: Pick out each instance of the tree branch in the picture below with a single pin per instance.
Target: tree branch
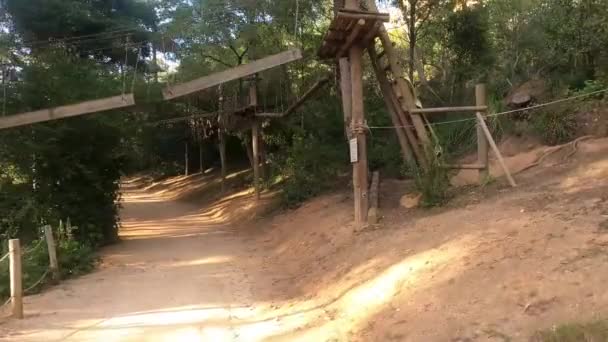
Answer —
(215, 59)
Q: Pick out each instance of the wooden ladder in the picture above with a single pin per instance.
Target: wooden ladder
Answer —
(399, 95)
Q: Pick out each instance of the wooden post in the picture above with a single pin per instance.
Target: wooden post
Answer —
(50, 242)
(492, 143)
(482, 142)
(346, 90)
(360, 171)
(253, 101)
(14, 249)
(222, 137)
(200, 155)
(374, 189)
(186, 158)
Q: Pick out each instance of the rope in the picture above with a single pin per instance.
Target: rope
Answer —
(30, 250)
(4, 257)
(501, 113)
(124, 70)
(38, 282)
(6, 303)
(135, 72)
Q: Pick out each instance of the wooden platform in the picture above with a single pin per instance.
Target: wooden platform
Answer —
(350, 27)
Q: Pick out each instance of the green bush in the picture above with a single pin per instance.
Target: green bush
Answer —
(433, 183)
(595, 331)
(74, 259)
(556, 126)
(308, 169)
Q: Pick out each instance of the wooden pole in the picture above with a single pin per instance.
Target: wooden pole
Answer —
(186, 158)
(200, 155)
(360, 170)
(374, 190)
(346, 90)
(50, 242)
(14, 249)
(482, 142)
(253, 101)
(492, 143)
(222, 137)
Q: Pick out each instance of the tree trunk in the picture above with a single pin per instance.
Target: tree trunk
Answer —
(412, 39)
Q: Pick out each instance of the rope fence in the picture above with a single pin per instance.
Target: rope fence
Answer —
(17, 255)
(500, 113)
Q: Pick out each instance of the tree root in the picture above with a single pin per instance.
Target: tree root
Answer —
(573, 144)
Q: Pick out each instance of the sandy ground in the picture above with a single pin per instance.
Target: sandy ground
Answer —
(496, 264)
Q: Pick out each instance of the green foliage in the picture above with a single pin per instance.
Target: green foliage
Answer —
(595, 331)
(309, 169)
(433, 182)
(555, 125)
(74, 259)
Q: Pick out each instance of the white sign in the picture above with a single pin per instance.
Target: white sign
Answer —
(354, 151)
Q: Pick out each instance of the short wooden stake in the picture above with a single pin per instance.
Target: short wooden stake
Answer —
(482, 142)
(486, 131)
(14, 249)
(186, 159)
(255, 135)
(256, 158)
(373, 215)
(50, 242)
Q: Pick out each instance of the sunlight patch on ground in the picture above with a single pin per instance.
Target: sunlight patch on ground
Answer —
(592, 171)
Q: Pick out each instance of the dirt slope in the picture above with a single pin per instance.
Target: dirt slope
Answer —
(496, 264)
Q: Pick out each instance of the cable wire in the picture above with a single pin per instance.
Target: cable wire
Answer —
(501, 113)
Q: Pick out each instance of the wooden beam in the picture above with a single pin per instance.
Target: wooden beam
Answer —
(374, 189)
(486, 131)
(449, 109)
(64, 112)
(381, 17)
(354, 34)
(482, 142)
(464, 166)
(232, 74)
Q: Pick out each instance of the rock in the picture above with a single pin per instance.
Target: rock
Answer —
(411, 201)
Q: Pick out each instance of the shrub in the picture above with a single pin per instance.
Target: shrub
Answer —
(308, 168)
(433, 183)
(556, 126)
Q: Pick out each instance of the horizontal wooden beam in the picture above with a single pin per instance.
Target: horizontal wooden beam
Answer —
(464, 166)
(449, 109)
(64, 112)
(353, 14)
(232, 74)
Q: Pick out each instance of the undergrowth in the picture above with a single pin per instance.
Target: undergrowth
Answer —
(590, 332)
(433, 182)
(74, 258)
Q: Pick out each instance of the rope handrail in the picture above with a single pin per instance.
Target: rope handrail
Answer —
(500, 113)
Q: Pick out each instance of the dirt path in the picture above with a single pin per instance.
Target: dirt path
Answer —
(177, 276)
(495, 264)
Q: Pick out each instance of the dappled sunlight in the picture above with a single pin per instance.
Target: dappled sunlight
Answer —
(175, 188)
(585, 177)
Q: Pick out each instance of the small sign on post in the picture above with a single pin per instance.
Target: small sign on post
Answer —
(354, 150)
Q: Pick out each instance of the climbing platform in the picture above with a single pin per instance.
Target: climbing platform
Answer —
(350, 27)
